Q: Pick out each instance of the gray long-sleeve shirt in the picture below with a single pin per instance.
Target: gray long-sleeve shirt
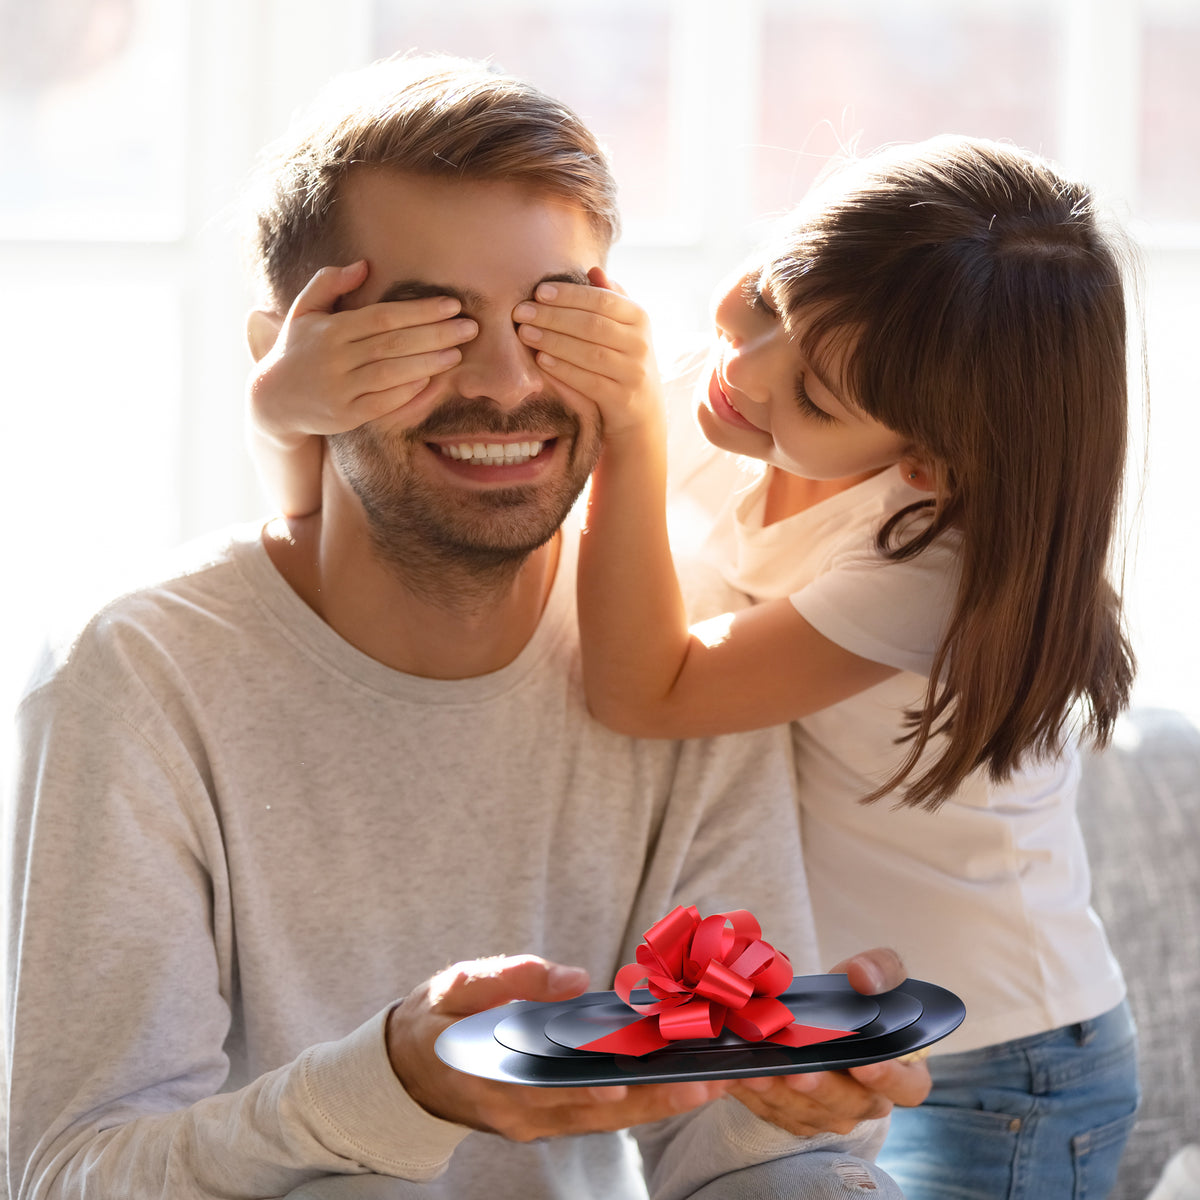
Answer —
(238, 840)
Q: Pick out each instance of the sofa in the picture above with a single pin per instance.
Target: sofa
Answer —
(1140, 810)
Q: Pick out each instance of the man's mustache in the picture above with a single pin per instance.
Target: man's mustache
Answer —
(460, 416)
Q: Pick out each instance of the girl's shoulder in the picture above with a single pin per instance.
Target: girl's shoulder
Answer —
(888, 609)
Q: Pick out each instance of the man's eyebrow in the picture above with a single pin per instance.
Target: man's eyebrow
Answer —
(471, 300)
(419, 289)
(579, 277)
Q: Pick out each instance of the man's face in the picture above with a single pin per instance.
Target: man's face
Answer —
(486, 462)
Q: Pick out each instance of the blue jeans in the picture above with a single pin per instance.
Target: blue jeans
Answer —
(1040, 1118)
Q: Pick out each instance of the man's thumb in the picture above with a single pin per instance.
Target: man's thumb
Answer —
(469, 987)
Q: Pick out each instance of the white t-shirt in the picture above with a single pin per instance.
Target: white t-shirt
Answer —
(989, 896)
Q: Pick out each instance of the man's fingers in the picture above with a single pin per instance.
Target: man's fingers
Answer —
(470, 987)
(904, 1083)
(647, 1102)
(322, 292)
(526, 1114)
(873, 971)
(520, 1113)
(825, 1101)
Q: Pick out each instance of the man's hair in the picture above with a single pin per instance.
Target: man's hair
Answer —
(438, 116)
(980, 303)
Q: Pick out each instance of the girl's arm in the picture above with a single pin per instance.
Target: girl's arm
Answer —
(645, 671)
(289, 471)
(320, 370)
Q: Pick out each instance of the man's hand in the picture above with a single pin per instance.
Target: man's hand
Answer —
(836, 1101)
(522, 1114)
(596, 341)
(331, 371)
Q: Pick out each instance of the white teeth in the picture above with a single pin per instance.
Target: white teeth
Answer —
(493, 454)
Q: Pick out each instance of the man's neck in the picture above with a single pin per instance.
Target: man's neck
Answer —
(467, 623)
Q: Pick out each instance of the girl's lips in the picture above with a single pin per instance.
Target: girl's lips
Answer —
(719, 403)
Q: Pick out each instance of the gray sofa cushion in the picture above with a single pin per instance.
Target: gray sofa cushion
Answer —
(1140, 809)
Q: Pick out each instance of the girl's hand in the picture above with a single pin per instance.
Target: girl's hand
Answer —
(596, 342)
(330, 371)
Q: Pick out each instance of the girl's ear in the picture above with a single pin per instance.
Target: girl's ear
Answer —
(917, 473)
(262, 328)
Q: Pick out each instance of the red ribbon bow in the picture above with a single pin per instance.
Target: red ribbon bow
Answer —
(707, 977)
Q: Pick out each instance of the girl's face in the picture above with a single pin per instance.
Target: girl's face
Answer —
(767, 401)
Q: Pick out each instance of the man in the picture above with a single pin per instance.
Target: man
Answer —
(262, 800)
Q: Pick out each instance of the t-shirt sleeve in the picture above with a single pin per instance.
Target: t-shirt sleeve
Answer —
(890, 612)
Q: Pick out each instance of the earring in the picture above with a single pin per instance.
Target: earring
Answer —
(912, 474)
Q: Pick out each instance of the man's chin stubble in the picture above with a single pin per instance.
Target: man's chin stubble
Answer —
(457, 551)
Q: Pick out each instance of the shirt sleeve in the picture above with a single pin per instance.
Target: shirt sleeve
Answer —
(120, 984)
(891, 612)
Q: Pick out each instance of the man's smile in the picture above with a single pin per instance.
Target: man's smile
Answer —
(492, 453)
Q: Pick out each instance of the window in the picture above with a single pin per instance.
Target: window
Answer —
(130, 124)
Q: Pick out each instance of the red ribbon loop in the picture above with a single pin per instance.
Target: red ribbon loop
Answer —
(707, 975)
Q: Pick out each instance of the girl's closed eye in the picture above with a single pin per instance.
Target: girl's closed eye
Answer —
(809, 407)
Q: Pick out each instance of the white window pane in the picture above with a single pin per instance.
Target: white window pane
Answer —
(91, 418)
(92, 119)
(863, 74)
(1170, 127)
(607, 59)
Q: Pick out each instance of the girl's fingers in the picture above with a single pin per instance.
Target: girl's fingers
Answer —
(322, 292)
(586, 328)
(372, 405)
(603, 361)
(574, 308)
(602, 391)
(388, 374)
(599, 278)
(421, 339)
(389, 316)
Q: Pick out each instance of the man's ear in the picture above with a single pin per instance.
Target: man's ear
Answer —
(262, 328)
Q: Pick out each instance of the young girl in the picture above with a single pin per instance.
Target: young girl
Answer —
(930, 362)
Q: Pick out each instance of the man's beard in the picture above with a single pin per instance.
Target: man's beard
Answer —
(420, 529)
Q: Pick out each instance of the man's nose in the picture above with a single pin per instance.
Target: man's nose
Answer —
(498, 366)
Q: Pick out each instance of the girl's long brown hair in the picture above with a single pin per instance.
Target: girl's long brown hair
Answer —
(982, 313)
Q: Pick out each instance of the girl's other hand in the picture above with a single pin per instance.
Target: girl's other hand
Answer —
(596, 342)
